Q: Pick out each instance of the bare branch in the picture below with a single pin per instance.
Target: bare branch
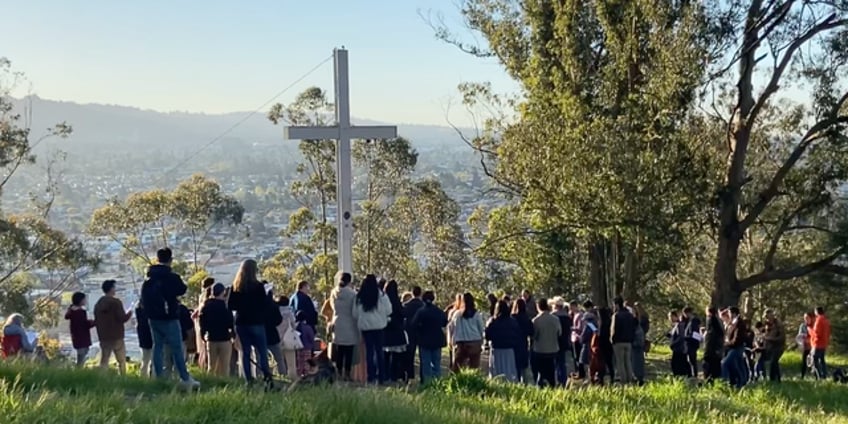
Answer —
(790, 273)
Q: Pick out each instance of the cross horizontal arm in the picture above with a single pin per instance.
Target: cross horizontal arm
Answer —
(333, 133)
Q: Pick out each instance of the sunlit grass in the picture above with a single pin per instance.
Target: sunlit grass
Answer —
(30, 394)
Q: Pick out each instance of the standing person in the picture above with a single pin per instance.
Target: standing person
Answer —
(287, 325)
(272, 335)
(522, 349)
(217, 330)
(205, 293)
(451, 310)
(109, 318)
(307, 338)
(803, 341)
(301, 301)
(467, 330)
(342, 324)
(605, 344)
(493, 303)
(159, 295)
(394, 335)
(713, 345)
(692, 334)
(564, 354)
(638, 356)
(429, 325)
(145, 340)
(576, 332)
(372, 312)
(410, 308)
(775, 345)
(530, 302)
(819, 342)
(251, 305)
(80, 326)
(622, 335)
(677, 343)
(589, 357)
(503, 333)
(732, 366)
(546, 333)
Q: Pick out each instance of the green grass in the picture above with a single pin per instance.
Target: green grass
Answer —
(30, 394)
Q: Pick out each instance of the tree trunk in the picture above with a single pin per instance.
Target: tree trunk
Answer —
(631, 271)
(597, 271)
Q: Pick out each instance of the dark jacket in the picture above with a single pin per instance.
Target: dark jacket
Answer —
(503, 333)
(737, 334)
(273, 319)
(395, 332)
(623, 329)
(251, 305)
(676, 338)
(565, 323)
(160, 291)
(142, 329)
(429, 325)
(80, 327)
(216, 321)
(409, 310)
(186, 323)
(302, 302)
(714, 339)
(522, 350)
(692, 326)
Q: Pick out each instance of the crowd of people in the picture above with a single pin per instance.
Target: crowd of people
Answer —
(374, 334)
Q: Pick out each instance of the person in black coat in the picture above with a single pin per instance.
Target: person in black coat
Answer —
(429, 325)
(301, 301)
(410, 308)
(522, 350)
(145, 339)
(713, 346)
(503, 335)
(394, 335)
(692, 329)
(272, 335)
(606, 350)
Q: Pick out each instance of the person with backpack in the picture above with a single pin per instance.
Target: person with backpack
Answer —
(159, 295)
(275, 343)
(429, 325)
(145, 340)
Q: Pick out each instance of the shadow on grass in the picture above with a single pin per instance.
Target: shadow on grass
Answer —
(827, 396)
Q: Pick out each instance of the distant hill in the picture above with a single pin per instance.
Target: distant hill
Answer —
(118, 128)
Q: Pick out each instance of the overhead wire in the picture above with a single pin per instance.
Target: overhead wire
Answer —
(240, 122)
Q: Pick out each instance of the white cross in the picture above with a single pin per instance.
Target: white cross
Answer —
(343, 132)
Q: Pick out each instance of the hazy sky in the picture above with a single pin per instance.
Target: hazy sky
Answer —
(224, 56)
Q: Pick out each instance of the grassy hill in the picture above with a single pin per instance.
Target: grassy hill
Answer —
(29, 394)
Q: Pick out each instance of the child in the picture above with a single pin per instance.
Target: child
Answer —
(758, 353)
(307, 337)
(216, 328)
(80, 326)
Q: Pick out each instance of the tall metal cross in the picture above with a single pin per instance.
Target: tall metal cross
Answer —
(343, 132)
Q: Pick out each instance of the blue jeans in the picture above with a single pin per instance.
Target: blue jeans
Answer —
(253, 337)
(375, 360)
(732, 368)
(168, 332)
(561, 367)
(431, 363)
(819, 363)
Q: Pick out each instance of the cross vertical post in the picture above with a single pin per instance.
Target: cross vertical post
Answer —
(343, 132)
(344, 174)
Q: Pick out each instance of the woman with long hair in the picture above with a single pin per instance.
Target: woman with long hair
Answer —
(713, 345)
(504, 335)
(605, 344)
(372, 315)
(205, 293)
(522, 349)
(467, 330)
(394, 335)
(342, 325)
(251, 305)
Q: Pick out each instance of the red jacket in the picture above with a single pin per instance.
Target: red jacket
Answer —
(820, 336)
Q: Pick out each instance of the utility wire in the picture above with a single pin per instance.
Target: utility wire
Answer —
(241, 121)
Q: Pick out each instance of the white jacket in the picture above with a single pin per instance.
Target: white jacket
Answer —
(375, 319)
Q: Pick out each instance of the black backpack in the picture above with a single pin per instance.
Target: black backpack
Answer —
(153, 299)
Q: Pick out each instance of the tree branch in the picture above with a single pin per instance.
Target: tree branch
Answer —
(790, 273)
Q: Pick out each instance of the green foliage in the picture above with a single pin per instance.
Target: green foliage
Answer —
(145, 220)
